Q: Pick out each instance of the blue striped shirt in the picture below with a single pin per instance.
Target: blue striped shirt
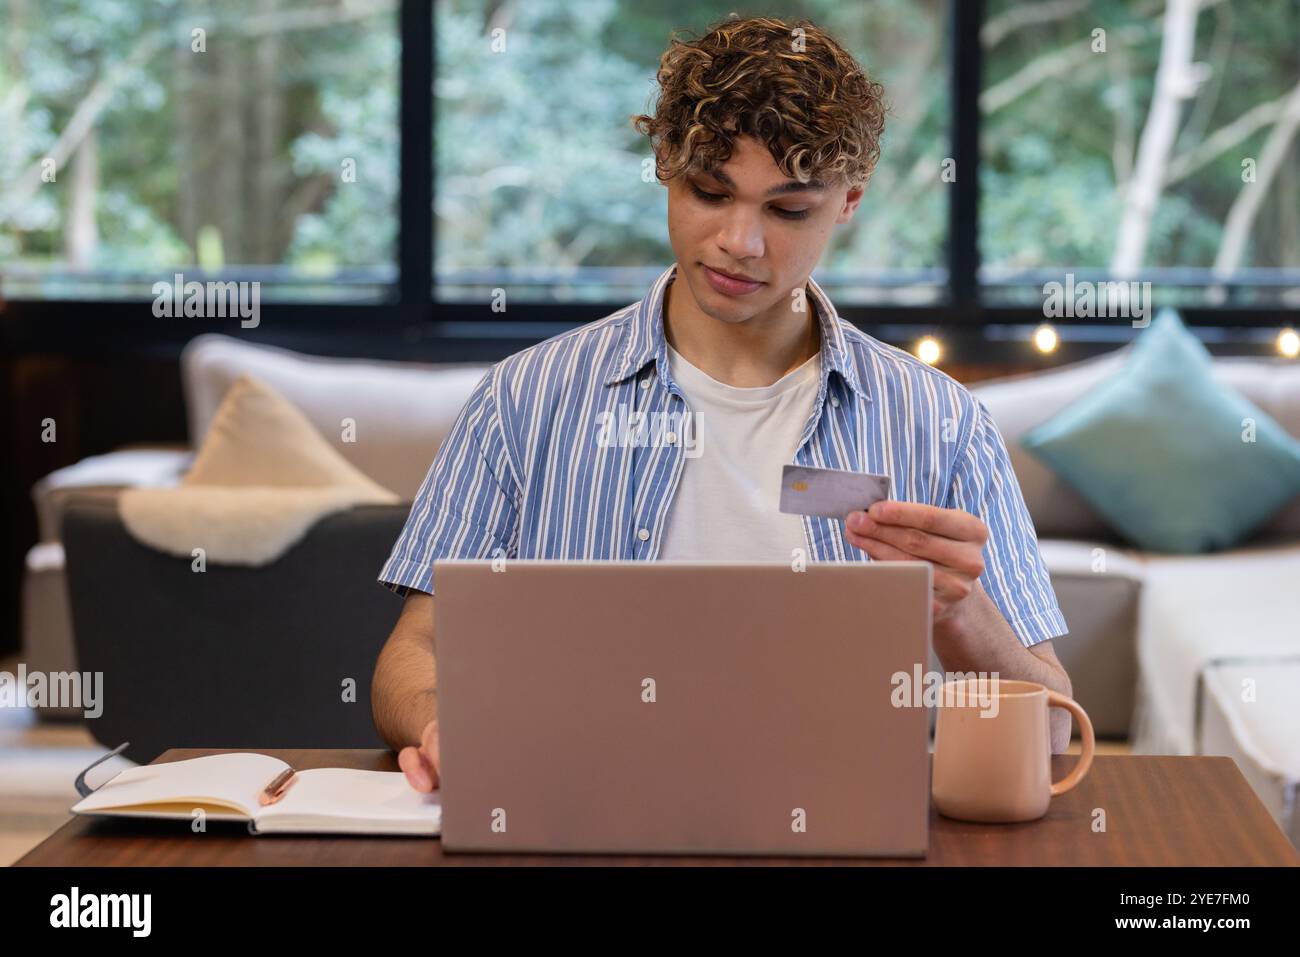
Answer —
(525, 472)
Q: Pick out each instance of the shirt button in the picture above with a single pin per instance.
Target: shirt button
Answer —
(645, 383)
(835, 401)
(671, 438)
(643, 534)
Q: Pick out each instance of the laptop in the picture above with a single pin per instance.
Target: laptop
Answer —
(680, 707)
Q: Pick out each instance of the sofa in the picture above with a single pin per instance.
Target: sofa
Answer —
(402, 412)
(1147, 631)
(1195, 651)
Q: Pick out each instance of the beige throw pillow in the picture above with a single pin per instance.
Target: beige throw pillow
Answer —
(262, 479)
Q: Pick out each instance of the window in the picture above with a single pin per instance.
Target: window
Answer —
(246, 139)
(539, 185)
(1091, 164)
(386, 163)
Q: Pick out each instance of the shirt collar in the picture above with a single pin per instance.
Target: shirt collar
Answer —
(643, 336)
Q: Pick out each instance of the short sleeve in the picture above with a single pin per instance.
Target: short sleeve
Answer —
(468, 504)
(1015, 576)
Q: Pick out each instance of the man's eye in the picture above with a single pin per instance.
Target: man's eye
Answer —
(707, 197)
(718, 197)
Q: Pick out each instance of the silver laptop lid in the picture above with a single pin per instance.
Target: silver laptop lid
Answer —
(682, 707)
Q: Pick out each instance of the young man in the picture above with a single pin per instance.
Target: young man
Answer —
(765, 134)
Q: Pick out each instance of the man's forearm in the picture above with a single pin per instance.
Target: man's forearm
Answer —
(978, 638)
(404, 695)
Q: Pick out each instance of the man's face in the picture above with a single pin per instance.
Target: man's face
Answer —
(744, 229)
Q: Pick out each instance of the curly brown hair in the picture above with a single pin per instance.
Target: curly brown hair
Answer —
(788, 84)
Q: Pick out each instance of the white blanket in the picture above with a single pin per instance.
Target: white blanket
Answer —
(263, 477)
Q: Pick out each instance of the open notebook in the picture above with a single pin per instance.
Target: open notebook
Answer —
(226, 787)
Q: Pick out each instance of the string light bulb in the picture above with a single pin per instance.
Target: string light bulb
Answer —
(928, 350)
(1045, 338)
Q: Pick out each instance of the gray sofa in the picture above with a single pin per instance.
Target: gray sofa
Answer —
(1145, 630)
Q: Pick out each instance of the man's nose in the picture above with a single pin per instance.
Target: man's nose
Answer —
(741, 236)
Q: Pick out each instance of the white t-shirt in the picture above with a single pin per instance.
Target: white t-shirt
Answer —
(725, 507)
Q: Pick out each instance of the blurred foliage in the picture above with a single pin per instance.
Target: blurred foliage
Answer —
(537, 163)
(245, 138)
(1053, 160)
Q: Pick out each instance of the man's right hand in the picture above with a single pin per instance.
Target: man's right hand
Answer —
(420, 762)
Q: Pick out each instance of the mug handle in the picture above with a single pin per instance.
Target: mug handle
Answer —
(1056, 700)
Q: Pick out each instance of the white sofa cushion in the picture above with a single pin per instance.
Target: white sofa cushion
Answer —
(1262, 734)
(1086, 560)
(1198, 611)
(103, 476)
(402, 411)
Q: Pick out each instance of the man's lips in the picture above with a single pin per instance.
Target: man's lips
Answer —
(739, 277)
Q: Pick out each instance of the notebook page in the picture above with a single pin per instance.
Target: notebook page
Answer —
(233, 779)
(353, 800)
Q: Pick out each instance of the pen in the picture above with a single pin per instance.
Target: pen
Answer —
(275, 790)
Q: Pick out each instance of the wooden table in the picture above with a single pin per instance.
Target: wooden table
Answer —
(1169, 811)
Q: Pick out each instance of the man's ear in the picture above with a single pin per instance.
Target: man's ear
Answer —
(851, 200)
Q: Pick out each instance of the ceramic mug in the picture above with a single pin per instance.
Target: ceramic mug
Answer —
(992, 750)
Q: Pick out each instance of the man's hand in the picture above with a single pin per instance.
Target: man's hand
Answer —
(420, 762)
(948, 538)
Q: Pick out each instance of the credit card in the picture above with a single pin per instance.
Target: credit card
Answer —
(831, 493)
